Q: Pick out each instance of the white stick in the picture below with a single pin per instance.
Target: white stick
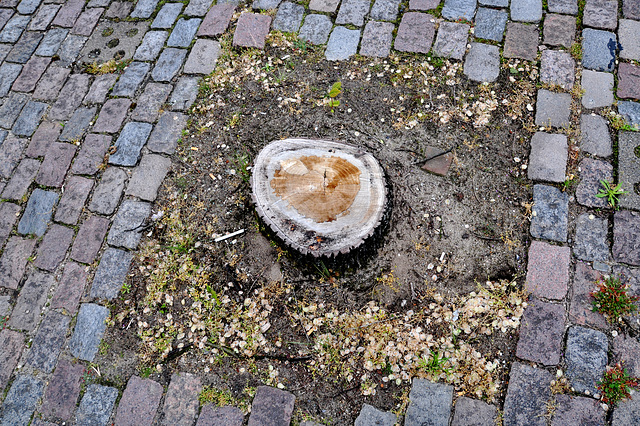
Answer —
(233, 234)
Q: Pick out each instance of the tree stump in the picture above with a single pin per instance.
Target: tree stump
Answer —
(321, 197)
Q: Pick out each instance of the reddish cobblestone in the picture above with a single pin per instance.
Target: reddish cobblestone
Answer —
(139, 402)
(54, 247)
(68, 14)
(89, 239)
(73, 199)
(87, 21)
(181, 401)
(541, 333)
(51, 83)
(70, 288)
(112, 115)
(580, 308)
(11, 345)
(91, 155)
(251, 30)
(415, 33)
(55, 165)
(577, 411)
(548, 270)
(46, 134)
(62, 392)
(31, 73)
(217, 20)
(628, 81)
(70, 97)
(8, 217)
(14, 261)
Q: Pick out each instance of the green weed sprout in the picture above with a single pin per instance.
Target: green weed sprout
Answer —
(616, 384)
(611, 192)
(612, 300)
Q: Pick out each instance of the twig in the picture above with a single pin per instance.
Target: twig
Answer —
(233, 234)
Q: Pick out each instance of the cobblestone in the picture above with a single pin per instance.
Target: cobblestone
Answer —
(10, 151)
(51, 83)
(126, 228)
(8, 74)
(625, 350)
(385, 10)
(91, 155)
(472, 412)
(37, 214)
(46, 134)
(265, 4)
(68, 14)
(14, 28)
(217, 20)
(550, 207)
(629, 34)
(548, 270)
(111, 273)
(490, 23)
(151, 46)
(53, 247)
(24, 48)
(559, 30)
(22, 177)
(48, 341)
(591, 173)
(521, 41)
(31, 73)
(89, 239)
(429, 403)
(591, 239)
(184, 94)
(70, 97)
(598, 89)
(63, 390)
(629, 168)
(626, 237)
(112, 115)
(96, 405)
(288, 18)
(181, 402)
(29, 118)
(27, 7)
(586, 357)
(21, 400)
(570, 7)
(580, 308)
(343, 43)
(595, 138)
(601, 14)
(527, 396)
(377, 38)
(370, 415)
(168, 64)
(184, 31)
(128, 145)
(628, 411)
(598, 49)
(459, 9)
(451, 41)
(328, 6)
(107, 194)
(315, 29)
(70, 288)
(271, 405)
(631, 9)
(11, 345)
(148, 176)
(197, 7)
(90, 326)
(212, 415)
(131, 79)
(167, 15)
(55, 165)
(32, 297)
(73, 199)
(139, 402)
(8, 217)
(628, 81)
(14, 260)
(541, 333)
(78, 124)
(630, 111)
(553, 109)
(558, 67)
(43, 17)
(577, 411)
(415, 33)
(87, 21)
(251, 30)
(548, 158)
(150, 102)
(70, 49)
(52, 41)
(526, 10)
(144, 9)
(10, 109)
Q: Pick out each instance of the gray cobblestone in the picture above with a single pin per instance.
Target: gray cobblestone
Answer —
(265, 4)
(343, 43)
(559, 30)
(37, 214)
(131, 79)
(29, 118)
(126, 229)
(111, 273)
(99, 89)
(131, 140)
(14, 28)
(586, 358)
(166, 133)
(385, 10)
(70, 49)
(415, 33)
(553, 109)
(139, 402)
(55, 164)
(10, 152)
(90, 326)
(151, 46)
(51, 83)
(43, 17)
(112, 115)
(626, 237)
(10, 109)
(167, 15)
(598, 49)
(271, 405)
(473, 412)
(148, 176)
(70, 288)
(591, 173)
(96, 405)
(482, 63)
(150, 102)
(521, 41)
(601, 14)
(8, 217)
(315, 29)
(13, 261)
(542, 333)
(70, 97)
(107, 194)
(327, 6)
(490, 23)
(548, 158)
(68, 14)
(629, 34)
(48, 342)
(577, 411)
(598, 89)
(181, 402)
(527, 396)
(581, 310)
(630, 111)
(168, 64)
(629, 168)
(11, 345)
(21, 401)
(184, 93)
(31, 300)
(91, 155)
(451, 41)
(377, 38)
(288, 18)
(144, 9)
(78, 124)
(550, 209)
(526, 10)
(8, 74)
(595, 138)
(24, 48)
(429, 404)
(31, 73)
(27, 7)
(628, 411)
(457, 9)
(87, 21)
(591, 239)
(22, 177)
(197, 7)
(370, 415)
(569, 7)
(558, 67)
(183, 32)
(203, 57)
(212, 415)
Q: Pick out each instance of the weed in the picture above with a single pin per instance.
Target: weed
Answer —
(612, 300)
(616, 384)
(218, 397)
(576, 51)
(103, 349)
(301, 45)
(126, 287)
(146, 371)
(611, 192)
(569, 182)
(109, 67)
(335, 90)
(435, 365)
(3, 322)
(242, 162)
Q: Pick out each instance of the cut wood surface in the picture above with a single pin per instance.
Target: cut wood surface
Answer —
(321, 197)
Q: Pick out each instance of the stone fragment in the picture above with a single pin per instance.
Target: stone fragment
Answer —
(8, 216)
(288, 18)
(52, 41)
(91, 155)
(151, 46)
(271, 405)
(327, 6)
(14, 261)
(68, 14)
(43, 17)
(11, 345)
(548, 270)
(108, 192)
(376, 39)
(22, 177)
(131, 79)
(553, 109)
(577, 411)
(78, 124)
(385, 10)
(521, 41)
(590, 242)
(438, 161)
(629, 168)
(128, 145)
(37, 214)
(599, 49)
(217, 20)
(53, 247)
(197, 7)
(559, 30)
(629, 34)
(415, 33)
(63, 390)
(127, 226)
(139, 402)
(550, 213)
(151, 100)
(11, 108)
(541, 333)
(144, 9)
(168, 64)
(490, 23)
(228, 415)
(343, 43)
(111, 273)
(51, 83)
(548, 158)
(89, 239)
(167, 15)
(181, 402)
(482, 63)
(451, 41)
(48, 341)
(581, 309)
(31, 73)
(586, 357)
(96, 405)
(454, 10)
(628, 81)
(591, 173)
(29, 118)
(70, 288)
(90, 326)
(370, 415)
(184, 31)
(601, 14)
(251, 30)
(70, 97)
(21, 400)
(473, 412)
(55, 165)
(626, 237)
(527, 396)
(26, 313)
(315, 29)
(558, 68)
(429, 403)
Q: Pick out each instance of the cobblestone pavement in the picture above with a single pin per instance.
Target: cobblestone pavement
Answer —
(66, 216)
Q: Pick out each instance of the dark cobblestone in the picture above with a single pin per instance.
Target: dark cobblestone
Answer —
(63, 390)
(625, 350)
(73, 199)
(559, 30)
(212, 415)
(53, 247)
(11, 345)
(29, 118)
(10, 109)
(112, 115)
(21, 401)
(55, 165)
(131, 79)
(271, 405)
(111, 273)
(429, 403)
(181, 402)
(596, 49)
(24, 48)
(548, 158)
(628, 81)
(521, 41)
(459, 9)
(90, 327)
(22, 177)
(558, 67)
(70, 97)
(580, 308)
(553, 109)
(10, 152)
(70, 289)
(630, 111)
(14, 260)
(626, 237)
(107, 194)
(577, 411)
(89, 239)
(473, 412)
(150, 102)
(91, 155)
(51, 83)
(490, 23)
(527, 396)
(168, 64)
(139, 402)
(451, 41)
(31, 73)
(32, 297)
(591, 239)
(541, 333)
(37, 214)
(126, 227)
(377, 38)
(78, 124)
(96, 405)
(591, 173)
(550, 208)
(8, 74)
(46, 134)
(415, 33)
(128, 145)
(586, 357)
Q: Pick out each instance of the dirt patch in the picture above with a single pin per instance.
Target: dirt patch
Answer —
(444, 235)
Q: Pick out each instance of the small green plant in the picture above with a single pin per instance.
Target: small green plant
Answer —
(612, 300)
(301, 45)
(3, 322)
(568, 182)
(435, 364)
(576, 51)
(146, 371)
(109, 67)
(126, 287)
(611, 192)
(335, 90)
(243, 166)
(218, 397)
(616, 384)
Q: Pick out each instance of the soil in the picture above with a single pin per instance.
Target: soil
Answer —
(443, 233)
